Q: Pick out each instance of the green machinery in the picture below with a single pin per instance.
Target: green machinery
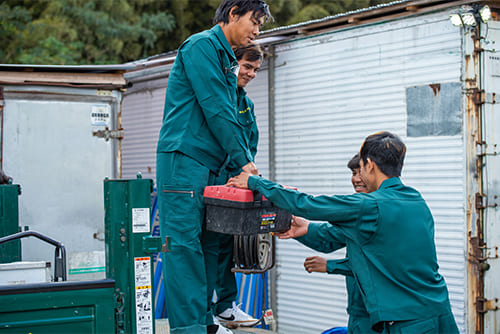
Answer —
(122, 303)
(129, 249)
(9, 222)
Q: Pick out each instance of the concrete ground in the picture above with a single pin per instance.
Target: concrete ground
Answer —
(161, 326)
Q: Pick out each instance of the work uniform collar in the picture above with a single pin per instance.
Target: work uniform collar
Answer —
(393, 181)
(241, 92)
(223, 40)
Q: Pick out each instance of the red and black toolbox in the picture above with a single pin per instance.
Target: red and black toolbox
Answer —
(238, 211)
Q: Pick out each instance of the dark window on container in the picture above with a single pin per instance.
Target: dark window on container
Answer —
(434, 110)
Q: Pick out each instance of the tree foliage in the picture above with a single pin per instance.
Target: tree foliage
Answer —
(66, 32)
(80, 31)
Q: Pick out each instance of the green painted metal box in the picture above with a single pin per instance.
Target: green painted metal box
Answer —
(84, 307)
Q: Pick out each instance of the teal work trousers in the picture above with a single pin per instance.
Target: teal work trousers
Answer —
(225, 285)
(225, 288)
(190, 268)
(359, 325)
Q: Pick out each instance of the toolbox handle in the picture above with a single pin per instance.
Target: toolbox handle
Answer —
(257, 198)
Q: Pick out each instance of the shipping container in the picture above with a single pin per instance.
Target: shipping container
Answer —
(404, 67)
(60, 137)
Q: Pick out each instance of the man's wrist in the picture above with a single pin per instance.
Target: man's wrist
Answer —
(252, 182)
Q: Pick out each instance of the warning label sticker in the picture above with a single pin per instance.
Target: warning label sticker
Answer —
(143, 295)
(140, 220)
(267, 221)
(143, 310)
(142, 270)
(99, 115)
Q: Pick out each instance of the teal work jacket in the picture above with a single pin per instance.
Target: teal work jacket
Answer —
(327, 238)
(390, 242)
(245, 114)
(199, 118)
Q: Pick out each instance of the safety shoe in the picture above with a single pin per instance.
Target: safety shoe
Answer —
(237, 317)
(223, 330)
(218, 329)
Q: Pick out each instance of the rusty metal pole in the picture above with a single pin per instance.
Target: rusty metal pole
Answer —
(476, 197)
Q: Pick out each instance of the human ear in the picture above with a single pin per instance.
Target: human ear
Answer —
(369, 166)
(232, 15)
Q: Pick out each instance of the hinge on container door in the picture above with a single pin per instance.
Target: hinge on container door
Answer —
(482, 97)
(107, 134)
(483, 149)
(481, 201)
(486, 201)
(484, 305)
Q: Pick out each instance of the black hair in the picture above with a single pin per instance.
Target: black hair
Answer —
(386, 150)
(251, 52)
(258, 7)
(354, 162)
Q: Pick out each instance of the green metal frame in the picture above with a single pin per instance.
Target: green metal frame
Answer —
(127, 247)
(9, 222)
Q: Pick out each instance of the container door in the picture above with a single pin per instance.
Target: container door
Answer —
(333, 90)
(491, 172)
(51, 150)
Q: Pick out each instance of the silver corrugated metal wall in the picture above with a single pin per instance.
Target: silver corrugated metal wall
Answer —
(257, 90)
(142, 113)
(333, 90)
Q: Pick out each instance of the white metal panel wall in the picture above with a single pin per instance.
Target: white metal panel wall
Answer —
(142, 113)
(257, 91)
(333, 90)
(49, 149)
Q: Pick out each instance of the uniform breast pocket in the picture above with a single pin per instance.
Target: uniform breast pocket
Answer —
(245, 116)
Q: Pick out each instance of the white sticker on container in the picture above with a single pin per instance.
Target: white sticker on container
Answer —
(143, 311)
(142, 271)
(140, 220)
(143, 295)
(99, 115)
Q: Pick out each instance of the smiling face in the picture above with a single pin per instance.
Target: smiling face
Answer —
(357, 181)
(248, 71)
(368, 175)
(242, 30)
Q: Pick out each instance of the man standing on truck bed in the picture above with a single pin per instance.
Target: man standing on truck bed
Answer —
(225, 308)
(200, 134)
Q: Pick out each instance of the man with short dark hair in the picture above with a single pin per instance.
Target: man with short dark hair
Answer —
(390, 239)
(200, 134)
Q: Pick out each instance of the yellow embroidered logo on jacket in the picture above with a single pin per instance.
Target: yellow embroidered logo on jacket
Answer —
(244, 111)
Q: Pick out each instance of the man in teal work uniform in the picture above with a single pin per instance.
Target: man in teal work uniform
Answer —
(331, 239)
(200, 134)
(249, 59)
(390, 239)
